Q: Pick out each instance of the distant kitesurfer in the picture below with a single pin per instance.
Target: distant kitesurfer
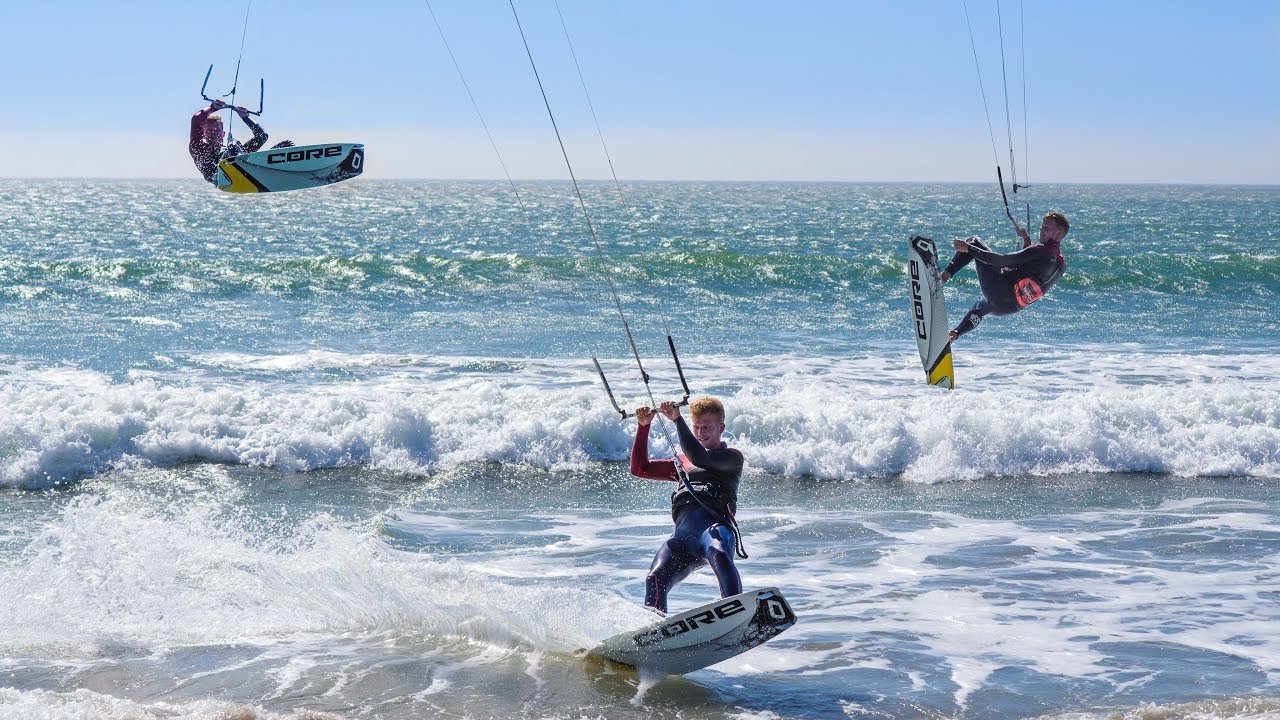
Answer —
(705, 531)
(1014, 281)
(206, 143)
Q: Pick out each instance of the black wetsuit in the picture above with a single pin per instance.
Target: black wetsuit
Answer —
(206, 155)
(704, 532)
(999, 274)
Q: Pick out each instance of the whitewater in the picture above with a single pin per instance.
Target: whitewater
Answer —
(345, 454)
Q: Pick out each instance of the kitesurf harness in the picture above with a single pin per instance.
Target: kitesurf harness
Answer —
(1030, 289)
(717, 510)
(738, 548)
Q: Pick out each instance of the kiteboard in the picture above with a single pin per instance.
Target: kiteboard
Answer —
(928, 315)
(702, 636)
(290, 168)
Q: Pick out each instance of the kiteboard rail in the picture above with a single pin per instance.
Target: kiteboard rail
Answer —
(927, 312)
(703, 636)
(296, 167)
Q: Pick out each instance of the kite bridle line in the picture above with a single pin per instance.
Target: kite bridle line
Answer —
(985, 109)
(1026, 154)
(617, 186)
(662, 304)
(261, 88)
(590, 105)
(684, 385)
(475, 105)
(235, 82)
(682, 476)
(595, 239)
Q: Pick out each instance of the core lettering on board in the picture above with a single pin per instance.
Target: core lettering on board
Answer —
(300, 154)
(684, 625)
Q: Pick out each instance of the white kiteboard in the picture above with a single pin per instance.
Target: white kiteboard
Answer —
(702, 636)
(928, 314)
(290, 168)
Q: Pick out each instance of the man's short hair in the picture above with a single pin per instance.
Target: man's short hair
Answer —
(1060, 220)
(707, 406)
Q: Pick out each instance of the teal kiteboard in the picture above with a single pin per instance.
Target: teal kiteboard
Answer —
(702, 636)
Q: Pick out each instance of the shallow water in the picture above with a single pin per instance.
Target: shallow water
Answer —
(346, 453)
(358, 593)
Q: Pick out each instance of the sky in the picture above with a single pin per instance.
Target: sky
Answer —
(1177, 91)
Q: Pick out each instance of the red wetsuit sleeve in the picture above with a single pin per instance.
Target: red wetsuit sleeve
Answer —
(642, 466)
(197, 130)
(204, 154)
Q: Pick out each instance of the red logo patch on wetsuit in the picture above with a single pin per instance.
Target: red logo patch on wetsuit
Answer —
(1027, 291)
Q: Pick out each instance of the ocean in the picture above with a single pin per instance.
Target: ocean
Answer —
(343, 453)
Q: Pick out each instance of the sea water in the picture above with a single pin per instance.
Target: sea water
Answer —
(344, 453)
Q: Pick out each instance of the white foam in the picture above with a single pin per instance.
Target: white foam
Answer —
(153, 321)
(1236, 708)
(940, 601)
(988, 623)
(88, 705)
(792, 416)
(123, 567)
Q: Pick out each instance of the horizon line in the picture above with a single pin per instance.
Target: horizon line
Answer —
(610, 181)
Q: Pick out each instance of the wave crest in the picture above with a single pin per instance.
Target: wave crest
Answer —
(59, 426)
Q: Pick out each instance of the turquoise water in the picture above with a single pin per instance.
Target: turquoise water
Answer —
(345, 451)
(117, 271)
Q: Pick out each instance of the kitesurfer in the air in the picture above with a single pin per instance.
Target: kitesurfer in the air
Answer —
(1011, 282)
(206, 144)
(703, 509)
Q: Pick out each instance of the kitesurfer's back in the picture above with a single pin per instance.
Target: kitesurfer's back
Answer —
(206, 142)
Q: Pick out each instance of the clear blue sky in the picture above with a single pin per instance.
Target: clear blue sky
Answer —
(1170, 91)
